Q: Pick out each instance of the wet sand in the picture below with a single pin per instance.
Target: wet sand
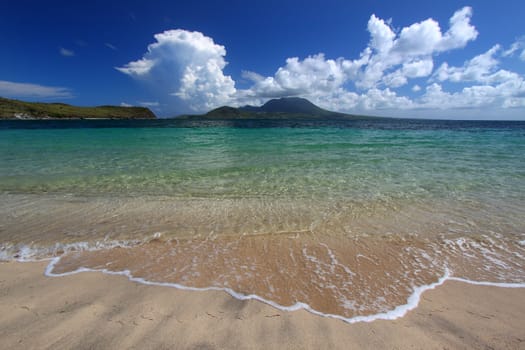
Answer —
(96, 311)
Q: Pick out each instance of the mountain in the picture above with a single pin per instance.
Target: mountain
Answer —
(289, 105)
(15, 109)
(282, 108)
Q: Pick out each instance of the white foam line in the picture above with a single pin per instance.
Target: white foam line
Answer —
(397, 312)
(490, 284)
(26, 253)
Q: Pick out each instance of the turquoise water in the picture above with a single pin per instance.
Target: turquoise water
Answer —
(349, 218)
(272, 162)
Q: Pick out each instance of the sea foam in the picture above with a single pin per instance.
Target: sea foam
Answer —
(398, 312)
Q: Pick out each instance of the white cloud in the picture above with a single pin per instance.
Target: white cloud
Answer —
(413, 69)
(124, 104)
(460, 31)
(481, 68)
(391, 60)
(313, 74)
(66, 52)
(418, 68)
(413, 48)
(493, 87)
(188, 66)
(376, 99)
(137, 68)
(252, 76)
(382, 36)
(27, 90)
(419, 39)
(518, 45)
(507, 94)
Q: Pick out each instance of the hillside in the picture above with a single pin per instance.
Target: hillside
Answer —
(283, 108)
(15, 109)
(290, 105)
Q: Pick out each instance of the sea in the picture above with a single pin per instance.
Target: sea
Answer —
(350, 219)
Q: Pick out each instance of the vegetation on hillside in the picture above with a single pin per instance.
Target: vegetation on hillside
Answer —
(15, 109)
(283, 108)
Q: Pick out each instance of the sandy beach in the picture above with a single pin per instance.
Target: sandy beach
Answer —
(91, 310)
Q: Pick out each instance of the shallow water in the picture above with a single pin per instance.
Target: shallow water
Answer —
(348, 217)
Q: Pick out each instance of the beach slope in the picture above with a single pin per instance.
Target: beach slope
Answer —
(95, 311)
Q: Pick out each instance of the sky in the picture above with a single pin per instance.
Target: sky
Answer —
(419, 59)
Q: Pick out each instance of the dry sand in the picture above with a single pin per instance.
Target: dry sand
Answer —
(96, 311)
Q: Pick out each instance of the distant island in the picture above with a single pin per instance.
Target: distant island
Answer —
(15, 109)
(282, 108)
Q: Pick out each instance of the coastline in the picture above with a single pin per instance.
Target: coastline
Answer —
(96, 310)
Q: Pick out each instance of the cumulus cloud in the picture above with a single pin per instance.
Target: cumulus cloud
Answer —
(413, 49)
(390, 60)
(27, 90)
(137, 68)
(188, 66)
(493, 87)
(460, 31)
(252, 76)
(314, 74)
(504, 95)
(412, 69)
(481, 68)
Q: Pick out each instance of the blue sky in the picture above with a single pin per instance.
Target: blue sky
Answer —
(445, 59)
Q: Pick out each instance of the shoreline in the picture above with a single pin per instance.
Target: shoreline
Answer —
(397, 312)
(97, 310)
